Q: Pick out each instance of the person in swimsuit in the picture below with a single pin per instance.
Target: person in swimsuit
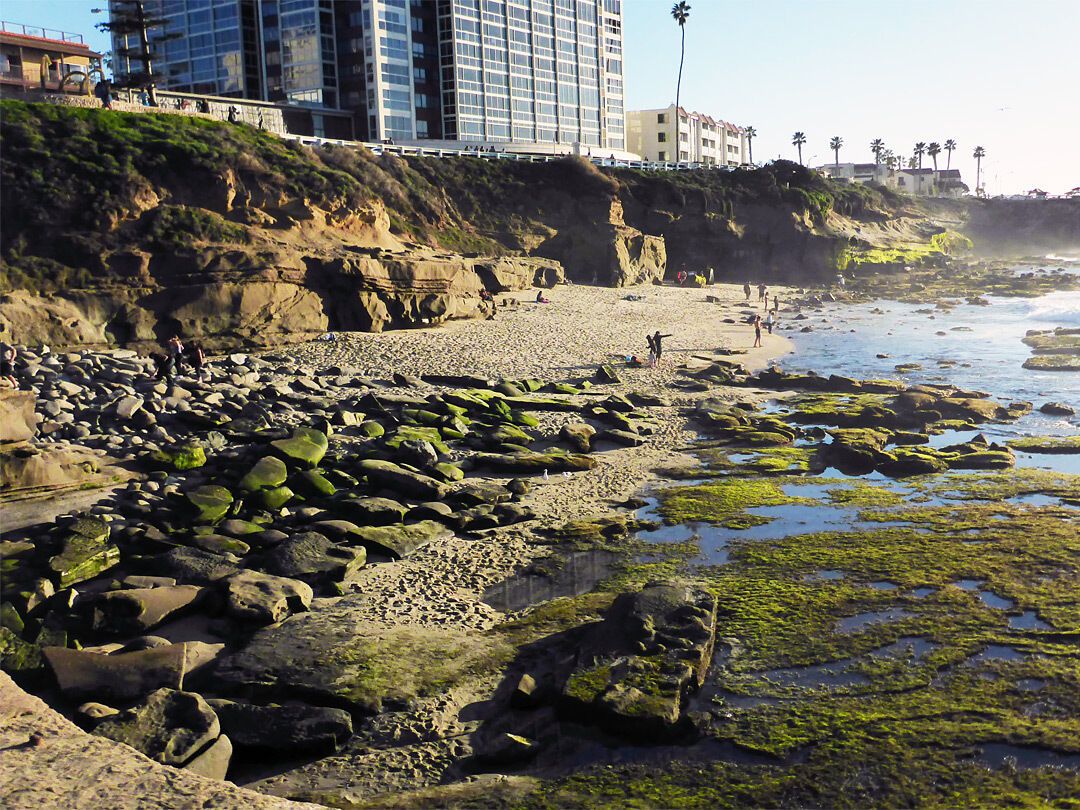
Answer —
(757, 331)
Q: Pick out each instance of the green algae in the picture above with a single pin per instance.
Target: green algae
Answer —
(860, 493)
(1046, 444)
(722, 502)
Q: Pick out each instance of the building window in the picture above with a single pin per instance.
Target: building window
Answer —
(661, 137)
(661, 155)
(419, 74)
(661, 118)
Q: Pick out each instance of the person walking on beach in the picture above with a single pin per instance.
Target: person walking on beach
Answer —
(175, 347)
(766, 301)
(757, 331)
(652, 350)
(747, 290)
(769, 321)
(197, 358)
(658, 345)
(761, 288)
(775, 304)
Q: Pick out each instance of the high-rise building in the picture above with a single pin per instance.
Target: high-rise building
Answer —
(527, 71)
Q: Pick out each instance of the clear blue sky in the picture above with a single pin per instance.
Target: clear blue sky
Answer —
(1002, 74)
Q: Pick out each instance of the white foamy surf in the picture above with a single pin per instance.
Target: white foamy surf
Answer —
(1058, 308)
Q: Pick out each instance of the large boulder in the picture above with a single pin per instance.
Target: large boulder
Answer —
(293, 728)
(192, 565)
(268, 472)
(118, 677)
(136, 610)
(312, 558)
(372, 511)
(210, 502)
(394, 476)
(170, 727)
(400, 540)
(18, 421)
(255, 598)
(304, 449)
(85, 552)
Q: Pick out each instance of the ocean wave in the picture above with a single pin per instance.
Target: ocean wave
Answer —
(1060, 308)
(1054, 258)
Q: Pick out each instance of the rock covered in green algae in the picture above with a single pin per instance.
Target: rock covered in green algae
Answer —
(267, 473)
(18, 658)
(181, 457)
(1053, 362)
(305, 448)
(636, 668)
(314, 483)
(394, 476)
(85, 552)
(274, 498)
(211, 502)
(1046, 444)
(534, 463)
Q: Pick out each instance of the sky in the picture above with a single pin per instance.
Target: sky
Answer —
(1001, 74)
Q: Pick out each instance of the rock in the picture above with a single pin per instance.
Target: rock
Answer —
(170, 726)
(478, 492)
(18, 420)
(607, 374)
(312, 558)
(220, 544)
(294, 728)
(192, 565)
(120, 677)
(181, 456)
(211, 502)
(624, 438)
(578, 435)
(18, 658)
(535, 463)
(314, 483)
(372, 429)
(400, 540)
(267, 473)
(85, 553)
(135, 611)
(1057, 409)
(373, 511)
(95, 712)
(274, 499)
(394, 476)
(213, 762)
(305, 448)
(527, 694)
(432, 510)
(126, 407)
(260, 599)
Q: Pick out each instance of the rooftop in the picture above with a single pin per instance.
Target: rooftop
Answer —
(35, 36)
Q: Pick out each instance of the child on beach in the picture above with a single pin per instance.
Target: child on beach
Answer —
(757, 331)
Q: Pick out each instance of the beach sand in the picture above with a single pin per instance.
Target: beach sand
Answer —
(440, 587)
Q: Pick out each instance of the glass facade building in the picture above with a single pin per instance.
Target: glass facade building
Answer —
(525, 71)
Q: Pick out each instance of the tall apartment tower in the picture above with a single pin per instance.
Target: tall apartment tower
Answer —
(527, 71)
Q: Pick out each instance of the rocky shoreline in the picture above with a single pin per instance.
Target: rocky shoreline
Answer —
(131, 569)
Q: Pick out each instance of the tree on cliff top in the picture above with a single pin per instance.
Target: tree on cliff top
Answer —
(751, 133)
(877, 146)
(978, 154)
(933, 150)
(835, 143)
(128, 18)
(950, 146)
(681, 13)
(797, 140)
(920, 150)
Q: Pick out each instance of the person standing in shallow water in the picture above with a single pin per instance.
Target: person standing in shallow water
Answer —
(757, 331)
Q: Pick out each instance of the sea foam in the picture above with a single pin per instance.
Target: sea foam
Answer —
(1059, 308)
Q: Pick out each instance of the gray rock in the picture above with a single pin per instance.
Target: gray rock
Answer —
(578, 435)
(170, 727)
(127, 406)
(394, 476)
(312, 558)
(284, 728)
(193, 565)
(400, 540)
(372, 511)
(138, 610)
(121, 677)
(260, 599)
(213, 762)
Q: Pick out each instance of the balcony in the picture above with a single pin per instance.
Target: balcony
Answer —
(41, 33)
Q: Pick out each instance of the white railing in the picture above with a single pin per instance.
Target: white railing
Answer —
(527, 157)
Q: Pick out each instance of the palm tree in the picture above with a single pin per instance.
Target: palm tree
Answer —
(889, 158)
(797, 140)
(835, 143)
(978, 154)
(920, 150)
(681, 13)
(750, 133)
(877, 146)
(933, 150)
(950, 145)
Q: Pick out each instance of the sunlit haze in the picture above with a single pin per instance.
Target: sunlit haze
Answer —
(1002, 75)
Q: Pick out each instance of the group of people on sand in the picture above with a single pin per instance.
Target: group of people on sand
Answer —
(171, 363)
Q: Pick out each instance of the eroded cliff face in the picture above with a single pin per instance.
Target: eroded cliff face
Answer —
(1023, 227)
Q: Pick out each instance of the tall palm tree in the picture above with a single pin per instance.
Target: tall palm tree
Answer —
(978, 154)
(933, 150)
(797, 140)
(920, 150)
(750, 133)
(950, 145)
(889, 158)
(680, 12)
(835, 143)
(877, 146)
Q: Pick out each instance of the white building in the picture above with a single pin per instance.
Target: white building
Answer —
(920, 182)
(701, 138)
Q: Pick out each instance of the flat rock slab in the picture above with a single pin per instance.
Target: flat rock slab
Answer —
(395, 477)
(137, 610)
(262, 599)
(120, 677)
(311, 557)
(170, 727)
(72, 769)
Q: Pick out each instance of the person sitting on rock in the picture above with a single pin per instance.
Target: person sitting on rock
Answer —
(7, 364)
(540, 299)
